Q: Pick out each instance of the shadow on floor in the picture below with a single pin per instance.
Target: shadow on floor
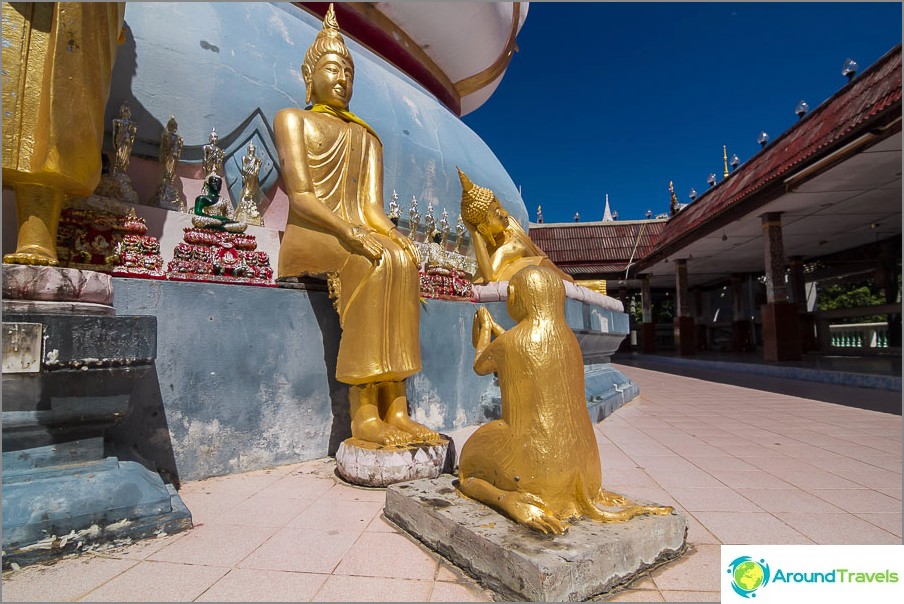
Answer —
(885, 401)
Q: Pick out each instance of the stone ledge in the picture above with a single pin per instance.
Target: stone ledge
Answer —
(521, 564)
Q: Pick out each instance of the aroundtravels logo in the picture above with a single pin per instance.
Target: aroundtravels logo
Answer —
(748, 575)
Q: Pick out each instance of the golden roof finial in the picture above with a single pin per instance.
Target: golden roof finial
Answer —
(725, 160)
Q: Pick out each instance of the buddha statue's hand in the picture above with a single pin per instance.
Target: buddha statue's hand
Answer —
(406, 244)
(361, 241)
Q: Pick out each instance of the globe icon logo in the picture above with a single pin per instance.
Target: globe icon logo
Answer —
(748, 575)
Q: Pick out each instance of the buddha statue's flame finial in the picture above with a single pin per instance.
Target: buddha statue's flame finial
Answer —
(329, 21)
(475, 200)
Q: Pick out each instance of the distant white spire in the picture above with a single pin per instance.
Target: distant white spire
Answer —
(607, 215)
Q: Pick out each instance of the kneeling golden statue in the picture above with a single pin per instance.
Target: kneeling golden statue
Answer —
(539, 464)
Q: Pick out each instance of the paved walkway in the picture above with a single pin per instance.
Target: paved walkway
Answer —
(745, 467)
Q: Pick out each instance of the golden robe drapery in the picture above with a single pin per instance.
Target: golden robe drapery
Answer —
(378, 304)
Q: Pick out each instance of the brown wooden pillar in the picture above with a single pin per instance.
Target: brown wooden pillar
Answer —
(781, 330)
(647, 328)
(685, 331)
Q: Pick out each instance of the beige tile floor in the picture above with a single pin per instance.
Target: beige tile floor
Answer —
(744, 466)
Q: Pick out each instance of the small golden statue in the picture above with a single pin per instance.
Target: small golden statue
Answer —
(124, 132)
(501, 246)
(213, 156)
(539, 464)
(168, 194)
(53, 111)
(247, 210)
(332, 167)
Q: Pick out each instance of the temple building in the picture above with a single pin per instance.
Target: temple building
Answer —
(738, 268)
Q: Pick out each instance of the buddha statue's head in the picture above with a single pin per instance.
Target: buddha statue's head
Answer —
(536, 291)
(171, 125)
(214, 183)
(481, 207)
(328, 70)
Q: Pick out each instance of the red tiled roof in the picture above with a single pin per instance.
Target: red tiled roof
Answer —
(872, 97)
(601, 247)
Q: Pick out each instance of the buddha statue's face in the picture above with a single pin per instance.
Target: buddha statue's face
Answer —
(331, 82)
(497, 219)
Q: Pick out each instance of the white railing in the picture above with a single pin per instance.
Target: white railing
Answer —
(865, 336)
(859, 335)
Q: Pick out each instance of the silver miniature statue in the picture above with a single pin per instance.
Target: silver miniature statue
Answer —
(444, 229)
(460, 231)
(413, 219)
(213, 156)
(539, 214)
(169, 196)
(429, 224)
(247, 210)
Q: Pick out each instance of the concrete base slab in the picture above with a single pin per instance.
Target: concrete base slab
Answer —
(521, 564)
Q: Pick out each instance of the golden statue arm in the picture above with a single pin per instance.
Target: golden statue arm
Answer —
(481, 254)
(484, 329)
(289, 134)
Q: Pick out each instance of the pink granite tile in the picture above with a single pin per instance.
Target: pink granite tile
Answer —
(757, 479)
(214, 545)
(837, 529)
(682, 478)
(617, 478)
(158, 582)
(636, 595)
(876, 478)
(346, 492)
(888, 522)
(373, 589)
(832, 463)
(446, 571)
(208, 506)
(298, 486)
(246, 585)
(718, 499)
(724, 462)
(893, 493)
(887, 462)
(697, 533)
(263, 510)
(459, 592)
(347, 516)
(815, 479)
(858, 501)
(140, 550)
(692, 596)
(787, 500)
(732, 528)
(64, 581)
(381, 525)
(301, 550)
(388, 555)
(698, 569)
(663, 462)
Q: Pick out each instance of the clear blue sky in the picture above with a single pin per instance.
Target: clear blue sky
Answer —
(621, 98)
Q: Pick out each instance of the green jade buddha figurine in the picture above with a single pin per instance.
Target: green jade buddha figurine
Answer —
(211, 211)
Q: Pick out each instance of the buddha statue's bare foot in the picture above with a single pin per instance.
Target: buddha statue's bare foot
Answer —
(397, 416)
(377, 431)
(30, 258)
